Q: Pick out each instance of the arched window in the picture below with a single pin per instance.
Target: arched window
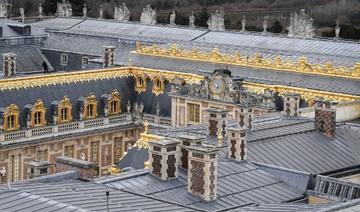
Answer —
(11, 118)
(64, 110)
(38, 112)
(114, 103)
(90, 107)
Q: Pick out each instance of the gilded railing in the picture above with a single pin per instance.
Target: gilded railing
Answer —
(256, 61)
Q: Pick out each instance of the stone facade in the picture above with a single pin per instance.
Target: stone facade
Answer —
(164, 158)
(14, 158)
(292, 104)
(237, 148)
(202, 173)
(325, 118)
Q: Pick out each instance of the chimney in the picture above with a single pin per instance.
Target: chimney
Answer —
(9, 64)
(237, 144)
(217, 119)
(164, 158)
(109, 56)
(325, 117)
(87, 169)
(291, 104)
(245, 116)
(202, 174)
(186, 141)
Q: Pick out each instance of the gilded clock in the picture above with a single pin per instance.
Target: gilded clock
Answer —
(217, 86)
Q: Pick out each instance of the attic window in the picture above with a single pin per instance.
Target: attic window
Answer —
(38, 114)
(64, 110)
(90, 106)
(64, 59)
(11, 118)
(114, 103)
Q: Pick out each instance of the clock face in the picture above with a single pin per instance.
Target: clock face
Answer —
(217, 86)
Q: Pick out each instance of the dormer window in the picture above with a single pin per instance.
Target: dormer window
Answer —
(140, 84)
(158, 86)
(11, 118)
(114, 103)
(85, 62)
(38, 114)
(64, 59)
(90, 107)
(65, 110)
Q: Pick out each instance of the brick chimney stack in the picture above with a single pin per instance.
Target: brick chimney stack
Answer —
(217, 119)
(164, 158)
(109, 56)
(291, 104)
(9, 64)
(245, 116)
(203, 171)
(237, 144)
(325, 117)
(186, 141)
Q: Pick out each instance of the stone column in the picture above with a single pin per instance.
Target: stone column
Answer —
(237, 144)
(291, 104)
(164, 158)
(202, 172)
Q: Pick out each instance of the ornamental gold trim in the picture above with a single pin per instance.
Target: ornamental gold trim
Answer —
(90, 100)
(158, 86)
(307, 94)
(114, 97)
(256, 61)
(140, 83)
(93, 75)
(11, 110)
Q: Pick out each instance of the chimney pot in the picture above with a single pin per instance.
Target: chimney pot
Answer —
(202, 174)
(164, 158)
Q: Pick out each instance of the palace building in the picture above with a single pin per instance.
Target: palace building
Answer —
(186, 118)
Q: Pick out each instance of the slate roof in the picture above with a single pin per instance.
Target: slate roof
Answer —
(291, 143)
(28, 58)
(283, 207)
(79, 196)
(239, 184)
(256, 75)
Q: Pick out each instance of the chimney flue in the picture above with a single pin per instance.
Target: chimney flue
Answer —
(188, 140)
(164, 158)
(217, 119)
(291, 104)
(237, 144)
(109, 56)
(325, 117)
(202, 173)
(245, 116)
(9, 64)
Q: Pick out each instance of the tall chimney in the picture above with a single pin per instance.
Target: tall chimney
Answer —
(203, 171)
(9, 64)
(325, 117)
(237, 144)
(186, 141)
(245, 116)
(217, 119)
(291, 104)
(164, 158)
(109, 56)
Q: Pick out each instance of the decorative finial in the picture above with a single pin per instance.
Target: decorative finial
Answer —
(146, 165)
(220, 138)
(114, 170)
(146, 127)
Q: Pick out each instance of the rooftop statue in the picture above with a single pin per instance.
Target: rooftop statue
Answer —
(337, 29)
(265, 24)
(301, 25)
(243, 24)
(64, 9)
(216, 21)
(192, 20)
(122, 13)
(101, 12)
(172, 17)
(22, 15)
(40, 10)
(84, 11)
(148, 15)
(4, 6)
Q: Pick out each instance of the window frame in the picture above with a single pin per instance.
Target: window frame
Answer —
(193, 113)
(62, 57)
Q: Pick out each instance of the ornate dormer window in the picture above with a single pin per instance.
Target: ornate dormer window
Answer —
(65, 110)
(90, 107)
(114, 103)
(140, 84)
(11, 118)
(158, 86)
(38, 112)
